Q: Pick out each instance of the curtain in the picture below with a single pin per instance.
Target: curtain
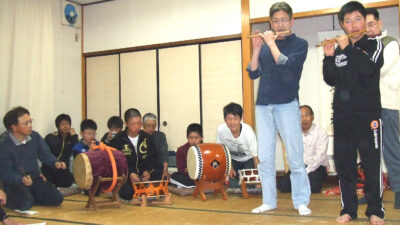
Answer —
(26, 60)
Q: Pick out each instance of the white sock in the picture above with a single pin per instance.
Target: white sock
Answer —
(262, 208)
(304, 210)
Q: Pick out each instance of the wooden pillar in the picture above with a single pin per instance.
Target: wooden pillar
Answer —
(83, 79)
(248, 85)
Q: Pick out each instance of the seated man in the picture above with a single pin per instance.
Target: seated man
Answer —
(159, 141)
(315, 142)
(241, 141)
(194, 134)
(19, 169)
(3, 215)
(88, 133)
(137, 147)
(60, 143)
(115, 125)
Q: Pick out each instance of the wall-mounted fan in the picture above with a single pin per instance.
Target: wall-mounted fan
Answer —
(71, 14)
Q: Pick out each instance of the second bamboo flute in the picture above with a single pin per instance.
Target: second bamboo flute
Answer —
(276, 33)
(333, 40)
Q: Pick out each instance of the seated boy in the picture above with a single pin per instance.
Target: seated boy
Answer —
(115, 125)
(88, 133)
(194, 134)
(140, 154)
(60, 143)
(241, 141)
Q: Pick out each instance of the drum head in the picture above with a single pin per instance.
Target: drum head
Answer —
(228, 160)
(83, 171)
(194, 162)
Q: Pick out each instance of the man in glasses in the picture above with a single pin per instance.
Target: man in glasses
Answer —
(278, 60)
(159, 142)
(19, 170)
(389, 85)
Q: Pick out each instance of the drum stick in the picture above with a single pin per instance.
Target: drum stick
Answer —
(141, 177)
(276, 33)
(22, 171)
(333, 40)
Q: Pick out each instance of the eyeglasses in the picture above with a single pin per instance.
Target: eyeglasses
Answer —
(371, 24)
(149, 125)
(284, 20)
(27, 123)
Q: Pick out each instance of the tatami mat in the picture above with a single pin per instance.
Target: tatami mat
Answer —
(188, 210)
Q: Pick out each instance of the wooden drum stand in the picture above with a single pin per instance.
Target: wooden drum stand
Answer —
(217, 186)
(114, 201)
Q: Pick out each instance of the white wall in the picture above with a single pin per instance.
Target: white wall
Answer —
(67, 70)
(260, 8)
(130, 23)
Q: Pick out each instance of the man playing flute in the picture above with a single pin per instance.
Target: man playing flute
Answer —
(278, 61)
(353, 68)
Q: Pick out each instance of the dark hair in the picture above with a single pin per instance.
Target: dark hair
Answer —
(88, 124)
(132, 112)
(115, 122)
(11, 117)
(280, 6)
(234, 109)
(62, 117)
(372, 11)
(309, 109)
(194, 127)
(351, 7)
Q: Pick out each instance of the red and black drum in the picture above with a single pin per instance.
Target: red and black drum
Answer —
(210, 160)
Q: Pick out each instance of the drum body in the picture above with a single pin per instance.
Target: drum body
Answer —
(89, 166)
(210, 160)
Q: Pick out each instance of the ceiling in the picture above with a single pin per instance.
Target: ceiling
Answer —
(89, 2)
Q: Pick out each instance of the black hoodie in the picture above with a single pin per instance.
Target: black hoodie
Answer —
(354, 72)
(146, 157)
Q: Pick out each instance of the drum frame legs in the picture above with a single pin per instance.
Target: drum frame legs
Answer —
(245, 194)
(114, 201)
(217, 186)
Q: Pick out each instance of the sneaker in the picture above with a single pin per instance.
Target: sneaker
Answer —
(304, 210)
(262, 208)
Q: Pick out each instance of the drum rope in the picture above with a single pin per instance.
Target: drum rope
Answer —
(109, 150)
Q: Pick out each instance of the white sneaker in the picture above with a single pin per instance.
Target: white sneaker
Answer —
(304, 210)
(262, 208)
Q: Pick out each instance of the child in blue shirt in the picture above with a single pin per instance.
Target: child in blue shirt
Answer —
(88, 133)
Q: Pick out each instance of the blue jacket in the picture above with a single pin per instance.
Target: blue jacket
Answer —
(279, 82)
(80, 147)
